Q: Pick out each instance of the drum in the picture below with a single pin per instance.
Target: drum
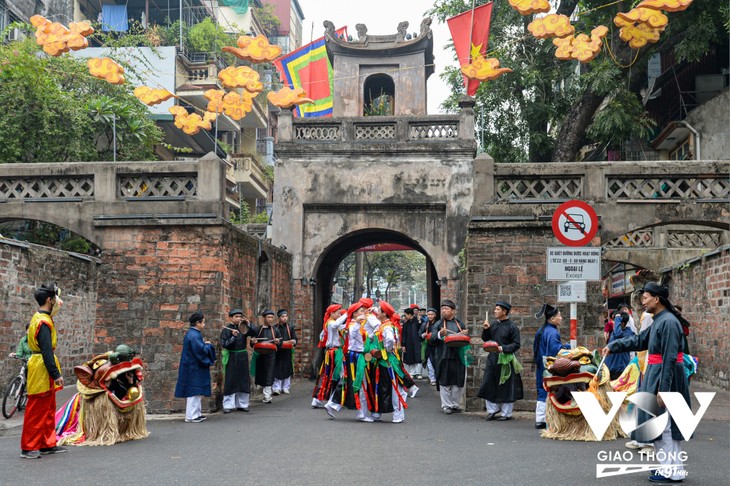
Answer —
(491, 346)
(264, 348)
(287, 346)
(457, 340)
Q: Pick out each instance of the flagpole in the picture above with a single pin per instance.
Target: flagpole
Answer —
(471, 30)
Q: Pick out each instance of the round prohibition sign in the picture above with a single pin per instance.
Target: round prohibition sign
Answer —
(575, 223)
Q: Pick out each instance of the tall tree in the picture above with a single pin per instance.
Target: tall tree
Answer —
(54, 111)
(547, 109)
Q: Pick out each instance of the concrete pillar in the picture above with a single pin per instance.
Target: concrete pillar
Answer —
(484, 170)
(105, 182)
(594, 184)
(212, 181)
(466, 121)
(284, 128)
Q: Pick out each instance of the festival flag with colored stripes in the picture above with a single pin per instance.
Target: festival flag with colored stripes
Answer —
(309, 68)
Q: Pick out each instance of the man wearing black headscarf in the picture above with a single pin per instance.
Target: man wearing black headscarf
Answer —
(431, 316)
(284, 366)
(547, 343)
(236, 379)
(502, 383)
(664, 341)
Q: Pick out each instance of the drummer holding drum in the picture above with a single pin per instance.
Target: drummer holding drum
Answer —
(450, 338)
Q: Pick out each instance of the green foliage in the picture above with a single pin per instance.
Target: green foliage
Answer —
(76, 244)
(380, 106)
(269, 172)
(266, 16)
(525, 115)
(54, 111)
(206, 36)
(261, 218)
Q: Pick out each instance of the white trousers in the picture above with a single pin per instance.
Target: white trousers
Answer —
(668, 452)
(506, 408)
(399, 411)
(267, 393)
(360, 414)
(281, 385)
(431, 372)
(193, 408)
(451, 396)
(414, 369)
(540, 412)
(235, 400)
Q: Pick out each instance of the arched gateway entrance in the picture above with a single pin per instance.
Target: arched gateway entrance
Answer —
(328, 263)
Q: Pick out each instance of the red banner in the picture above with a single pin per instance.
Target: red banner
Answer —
(385, 247)
(477, 22)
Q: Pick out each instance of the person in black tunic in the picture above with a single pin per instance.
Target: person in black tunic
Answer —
(664, 341)
(502, 383)
(236, 379)
(449, 362)
(431, 316)
(284, 367)
(411, 344)
(265, 362)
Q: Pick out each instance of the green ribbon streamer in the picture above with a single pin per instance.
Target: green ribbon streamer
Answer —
(254, 358)
(505, 370)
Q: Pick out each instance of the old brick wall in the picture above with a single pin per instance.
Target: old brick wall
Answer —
(506, 261)
(156, 277)
(22, 270)
(702, 288)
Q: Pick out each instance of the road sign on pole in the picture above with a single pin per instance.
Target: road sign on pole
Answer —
(575, 223)
(573, 264)
(572, 291)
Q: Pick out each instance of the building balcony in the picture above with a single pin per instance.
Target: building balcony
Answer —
(250, 175)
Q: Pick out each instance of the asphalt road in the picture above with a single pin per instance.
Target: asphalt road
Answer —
(288, 442)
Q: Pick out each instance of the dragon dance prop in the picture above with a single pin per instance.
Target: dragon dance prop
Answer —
(109, 406)
(575, 370)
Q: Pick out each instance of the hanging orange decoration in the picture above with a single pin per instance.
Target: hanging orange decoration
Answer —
(483, 69)
(636, 34)
(254, 49)
(232, 104)
(191, 123)
(527, 7)
(241, 77)
(650, 17)
(666, 5)
(150, 96)
(107, 69)
(552, 25)
(57, 39)
(585, 48)
(287, 97)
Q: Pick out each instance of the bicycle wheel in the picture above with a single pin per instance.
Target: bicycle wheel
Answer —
(12, 397)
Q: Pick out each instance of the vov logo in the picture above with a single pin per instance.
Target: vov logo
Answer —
(681, 413)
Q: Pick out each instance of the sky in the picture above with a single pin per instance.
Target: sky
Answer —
(382, 17)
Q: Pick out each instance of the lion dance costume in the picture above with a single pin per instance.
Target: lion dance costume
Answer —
(109, 406)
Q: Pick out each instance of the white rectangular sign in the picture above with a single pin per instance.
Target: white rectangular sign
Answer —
(573, 263)
(573, 291)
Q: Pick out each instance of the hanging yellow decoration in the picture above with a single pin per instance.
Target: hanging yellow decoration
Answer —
(552, 25)
(232, 104)
(581, 47)
(287, 97)
(241, 77)
(57, 39)
(254, 49)
(484, 69)
(637, 35)
(527, 7)
(666, 5)
(191, 123)
(105, 68)
(651, 18)
(150, 96)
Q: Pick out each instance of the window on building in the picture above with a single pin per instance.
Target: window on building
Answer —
(379, 95)
(683, 151)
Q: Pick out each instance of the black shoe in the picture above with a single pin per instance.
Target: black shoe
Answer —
(227, 410)
(30, 454)
(491, 417)
(53, 450)
(456, 410)
(503, 419)
(658, 478)
(540, 425)
(242, 409)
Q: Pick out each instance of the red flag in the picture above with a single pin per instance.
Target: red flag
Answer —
(466, 48)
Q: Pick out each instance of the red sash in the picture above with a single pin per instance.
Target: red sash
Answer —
(657, 358)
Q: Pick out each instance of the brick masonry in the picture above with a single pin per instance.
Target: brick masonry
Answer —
(155, 277)
(506, 261)
(702, 288)
(22, 270)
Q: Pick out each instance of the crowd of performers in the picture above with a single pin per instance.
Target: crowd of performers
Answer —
(369, 360)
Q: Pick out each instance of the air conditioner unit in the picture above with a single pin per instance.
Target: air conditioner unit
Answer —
(16, 34)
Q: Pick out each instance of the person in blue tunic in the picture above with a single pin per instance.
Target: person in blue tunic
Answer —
(618, 362)
(664, 341)
(193, 378)
(547, 343)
